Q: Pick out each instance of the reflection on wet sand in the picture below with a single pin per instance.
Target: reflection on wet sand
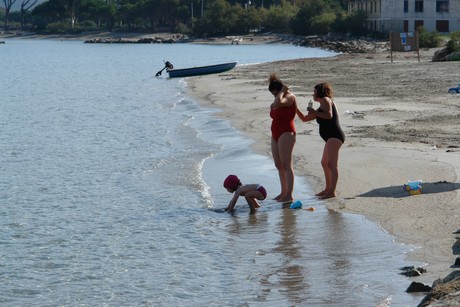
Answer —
(297, 257)
(288, 277)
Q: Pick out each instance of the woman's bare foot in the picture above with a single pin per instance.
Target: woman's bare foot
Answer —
(321, 193)
(285, 200)
(277, 198)
(328, 195)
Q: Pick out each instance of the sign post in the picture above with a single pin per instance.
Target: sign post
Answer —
(404, 42)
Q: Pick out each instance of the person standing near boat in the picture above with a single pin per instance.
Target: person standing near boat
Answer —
(283, 111)
(330, 131)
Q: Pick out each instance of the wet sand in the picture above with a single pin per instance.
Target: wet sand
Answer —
(400, 125)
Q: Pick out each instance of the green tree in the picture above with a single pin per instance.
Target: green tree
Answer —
(279, 17)
(51, 11)
(127, 13)
(62, 9)
(354, 24)
(99, 11)
(72, 8)
(214, 21)
(250, 18)
(322, 23)
(310, 19)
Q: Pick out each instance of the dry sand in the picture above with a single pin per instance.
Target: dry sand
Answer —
(400, 125)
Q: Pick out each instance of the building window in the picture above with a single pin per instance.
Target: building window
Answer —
(442, 6)
(442, 25)
(418, 24)
(406, 6)
(419, 6)
(406, 26)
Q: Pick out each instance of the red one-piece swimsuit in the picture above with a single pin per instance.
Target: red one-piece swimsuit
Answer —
(283, 120)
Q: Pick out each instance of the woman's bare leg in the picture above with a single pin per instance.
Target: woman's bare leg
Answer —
(330, 165)
(277, 161)
(285, 147)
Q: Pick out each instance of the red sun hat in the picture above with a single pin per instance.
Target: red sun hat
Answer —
(231, 182)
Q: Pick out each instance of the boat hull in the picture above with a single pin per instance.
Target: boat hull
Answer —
(200, 70)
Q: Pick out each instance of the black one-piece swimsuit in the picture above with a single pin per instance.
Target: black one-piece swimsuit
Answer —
(330, 128)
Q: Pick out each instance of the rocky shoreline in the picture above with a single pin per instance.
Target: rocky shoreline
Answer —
(337, 43)
(333, 43)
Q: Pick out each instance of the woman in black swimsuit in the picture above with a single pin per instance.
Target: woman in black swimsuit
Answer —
(330, 131)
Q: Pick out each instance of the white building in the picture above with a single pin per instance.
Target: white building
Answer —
(385, 16)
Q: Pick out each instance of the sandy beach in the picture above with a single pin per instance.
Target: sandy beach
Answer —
(400, 125)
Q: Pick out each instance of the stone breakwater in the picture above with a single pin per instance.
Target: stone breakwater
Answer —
(336, 43)
(343, 44)
(121, 40)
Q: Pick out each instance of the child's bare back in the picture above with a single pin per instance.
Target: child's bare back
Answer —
(251, 192)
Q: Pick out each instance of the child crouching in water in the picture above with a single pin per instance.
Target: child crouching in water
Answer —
(251, 192)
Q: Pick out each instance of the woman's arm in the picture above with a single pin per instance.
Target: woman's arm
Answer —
(283, 99)
(305, 118)
(326, 107)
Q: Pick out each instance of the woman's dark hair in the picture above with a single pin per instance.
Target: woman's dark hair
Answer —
(324, 90)
(275, 83)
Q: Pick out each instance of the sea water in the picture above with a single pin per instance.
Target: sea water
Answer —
(111, 192)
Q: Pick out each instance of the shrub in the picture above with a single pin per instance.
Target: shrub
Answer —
(88, 25)
(427, 39)
(454, 43)
(57, 27)
(182, 28)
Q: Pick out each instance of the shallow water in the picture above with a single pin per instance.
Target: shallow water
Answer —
(111, 193)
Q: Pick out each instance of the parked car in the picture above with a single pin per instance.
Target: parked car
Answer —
(455, 90)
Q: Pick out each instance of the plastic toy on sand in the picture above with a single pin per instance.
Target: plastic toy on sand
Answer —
(414, 187)
(296, 205)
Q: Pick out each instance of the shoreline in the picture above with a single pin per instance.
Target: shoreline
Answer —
(259, 38)
(400, 125)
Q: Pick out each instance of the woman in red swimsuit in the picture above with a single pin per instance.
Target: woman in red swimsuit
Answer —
(283, 111)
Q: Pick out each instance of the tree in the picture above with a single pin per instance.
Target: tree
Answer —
(214, 21)
(8, 4)
(72, 7)
(25, 6)
(310, 19)
(48, 12)
(99, 11)
(321, 24)
(279, 17)
(354, 23)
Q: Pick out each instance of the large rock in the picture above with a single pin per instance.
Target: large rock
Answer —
(444, 55)
(445, 292)
(417, 287)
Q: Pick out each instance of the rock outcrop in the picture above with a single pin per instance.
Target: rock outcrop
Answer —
(343, 44)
